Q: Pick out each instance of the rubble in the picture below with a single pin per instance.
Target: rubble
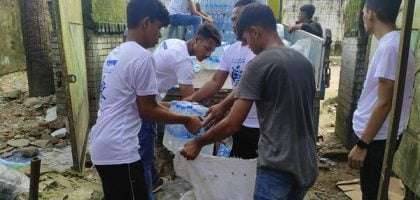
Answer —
(2, 145)
(18, 143)
(51, 114)
(11, 95)
(41, 143)
(60, 133)
(32, 102)
(29, 152)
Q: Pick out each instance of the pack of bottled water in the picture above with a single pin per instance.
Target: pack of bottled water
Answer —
(176, 135)
(185, 108)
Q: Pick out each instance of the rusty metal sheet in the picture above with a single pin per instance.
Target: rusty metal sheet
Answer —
(72, 53)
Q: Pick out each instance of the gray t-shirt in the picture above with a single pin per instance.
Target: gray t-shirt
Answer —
(281, 82)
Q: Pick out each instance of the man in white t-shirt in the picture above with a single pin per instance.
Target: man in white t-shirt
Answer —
(174, 66)
(128, 95)
(173, 59)
(370, 120)
(233, 63)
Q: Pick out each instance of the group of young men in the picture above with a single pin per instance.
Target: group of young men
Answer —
(269, 113)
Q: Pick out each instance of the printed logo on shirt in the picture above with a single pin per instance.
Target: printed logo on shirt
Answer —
(236, 72)
(108, 68)
(164, 45)
(236, 75)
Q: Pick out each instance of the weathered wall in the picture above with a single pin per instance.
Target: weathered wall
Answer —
(328, 13)
(12, 53)
(407, 158)
(353, 71)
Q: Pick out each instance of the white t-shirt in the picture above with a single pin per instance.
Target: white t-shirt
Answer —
(127, 72)
(174, 65)
(179, 7)
(234, 60)
(384, 64)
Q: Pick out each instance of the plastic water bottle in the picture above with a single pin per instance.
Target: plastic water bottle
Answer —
(224, 150)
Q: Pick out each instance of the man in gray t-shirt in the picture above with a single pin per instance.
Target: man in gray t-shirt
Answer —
(281, 83)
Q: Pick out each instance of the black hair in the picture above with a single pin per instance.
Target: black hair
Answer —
(256, 14)
(208, 31)
(137, 10)
(243, 3)
(386, 10)
(308, 10)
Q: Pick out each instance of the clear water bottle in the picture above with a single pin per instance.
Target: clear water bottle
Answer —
(224, 150)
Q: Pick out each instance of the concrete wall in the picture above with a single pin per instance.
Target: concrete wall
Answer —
(352, 75)
(328, 13)
(12, 53)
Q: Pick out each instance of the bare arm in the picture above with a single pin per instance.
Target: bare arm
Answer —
(381, 110)
(227, 127)
(150, 109)
(186, 90)
(196, 12)
(218, 111)
(210, 88)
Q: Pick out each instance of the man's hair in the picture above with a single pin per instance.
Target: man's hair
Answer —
(208, 31)
(243, 3)
(256, 14)
(386, 10)
(137, 10)
(308, 10)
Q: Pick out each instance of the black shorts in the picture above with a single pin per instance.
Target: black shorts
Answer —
(124, 181)
(245, 143)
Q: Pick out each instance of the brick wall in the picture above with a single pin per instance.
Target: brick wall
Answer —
(98, 46)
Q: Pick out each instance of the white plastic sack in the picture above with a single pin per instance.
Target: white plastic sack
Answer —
(303, 46)
(12, 183)
(218, 177)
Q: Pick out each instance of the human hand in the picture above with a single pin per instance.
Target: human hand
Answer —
(214, 114)
(209, 20)
(191, 150)
(193, 124)
(356, 157)
(295, 27)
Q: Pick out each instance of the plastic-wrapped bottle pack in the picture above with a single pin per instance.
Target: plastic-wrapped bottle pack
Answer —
(176, 135)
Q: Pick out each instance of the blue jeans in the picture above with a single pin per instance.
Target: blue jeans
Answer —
(147, 153)
(277, 185)
(185, 20)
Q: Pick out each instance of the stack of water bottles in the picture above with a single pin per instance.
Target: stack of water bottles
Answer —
(221, 12)
(176, 135)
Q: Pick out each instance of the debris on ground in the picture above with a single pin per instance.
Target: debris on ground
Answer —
(352, 189)
(12, 183)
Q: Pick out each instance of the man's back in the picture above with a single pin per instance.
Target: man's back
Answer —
(281, 81)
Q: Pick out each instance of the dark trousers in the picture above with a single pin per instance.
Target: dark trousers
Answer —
(124, 181)
(370, 173)
(245, 143)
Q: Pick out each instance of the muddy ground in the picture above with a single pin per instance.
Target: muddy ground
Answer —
(18, 121)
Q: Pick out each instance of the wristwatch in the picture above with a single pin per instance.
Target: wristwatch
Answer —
(362, 144)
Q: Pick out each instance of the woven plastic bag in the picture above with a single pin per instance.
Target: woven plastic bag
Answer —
(218, 177)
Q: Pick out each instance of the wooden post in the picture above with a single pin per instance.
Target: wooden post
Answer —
(34, 179)
(398, 97)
